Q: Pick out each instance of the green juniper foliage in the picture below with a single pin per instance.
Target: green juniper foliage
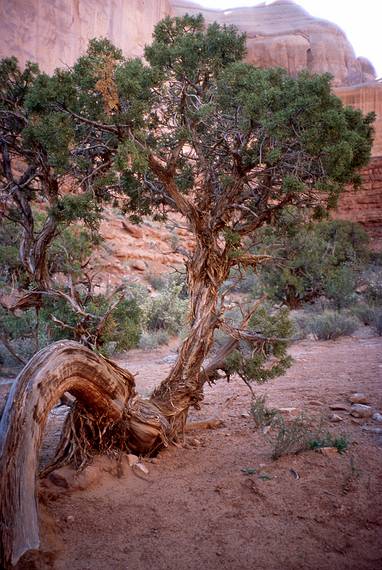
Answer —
(312, 259)
(193, 130)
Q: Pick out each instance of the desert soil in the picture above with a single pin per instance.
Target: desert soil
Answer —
(198, 509)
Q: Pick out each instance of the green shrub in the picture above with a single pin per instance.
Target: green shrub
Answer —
(250, 361)
(150, 340)
(311, 260)
(262, 415)
(167, 310)
(157, 282)
(341, 443)
(331, 325)
(365, 313)
(290, 437)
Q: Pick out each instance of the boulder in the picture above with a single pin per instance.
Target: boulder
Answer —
(361, 411)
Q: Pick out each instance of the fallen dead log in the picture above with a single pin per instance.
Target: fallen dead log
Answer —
(62, 367)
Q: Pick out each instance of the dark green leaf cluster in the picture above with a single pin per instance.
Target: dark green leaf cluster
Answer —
(312, 259)
(265, 357)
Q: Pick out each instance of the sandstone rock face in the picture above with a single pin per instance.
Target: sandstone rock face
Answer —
(367, 97)
(365, 205)
(55, 32)
(283, 34)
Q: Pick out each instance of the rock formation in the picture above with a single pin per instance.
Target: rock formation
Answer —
(55, 33)
(283, 34)
(279, 34)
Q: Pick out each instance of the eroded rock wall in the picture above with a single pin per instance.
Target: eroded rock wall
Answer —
(56, 32)
(365, 205)
(284, 34)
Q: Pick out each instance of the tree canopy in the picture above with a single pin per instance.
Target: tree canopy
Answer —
(192, 130)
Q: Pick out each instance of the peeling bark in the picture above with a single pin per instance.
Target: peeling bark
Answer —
(62, 367)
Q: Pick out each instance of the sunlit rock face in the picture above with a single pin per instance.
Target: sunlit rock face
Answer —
(55, 32)
(284, 34)
(367, 97)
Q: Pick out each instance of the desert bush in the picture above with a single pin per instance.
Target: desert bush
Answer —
(377, 324)
(166, 311)
(315, 259)
(341, 443)
(261, 414)
(372, 276)
(150, 340)
(157, 282)
(299, 435)
(365, 312)
(331, 325)
(290, 437)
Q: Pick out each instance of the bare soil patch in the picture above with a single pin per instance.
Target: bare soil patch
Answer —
(197, 509)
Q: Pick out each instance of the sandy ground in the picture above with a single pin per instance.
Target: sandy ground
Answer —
(196, 509)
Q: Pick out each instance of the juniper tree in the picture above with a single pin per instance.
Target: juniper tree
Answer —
(50, 209)
(195, 131)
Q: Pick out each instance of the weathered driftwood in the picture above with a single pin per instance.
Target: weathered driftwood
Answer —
(62, 367)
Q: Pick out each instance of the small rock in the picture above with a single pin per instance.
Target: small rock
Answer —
(132, 459)
(328, 451)
(58, 480)
(138, 264)
(315, 403)
(372, 429)
(335, 418)
(133, 230)
(361, 411)
(195, 442)
(141, 467)
(169, 359)
(377, 417)
(70, 518)
(357, 421)
(289, 411)
(154, 460)
(266, 429)
(245, 415)
(359, 398)
(339, 407)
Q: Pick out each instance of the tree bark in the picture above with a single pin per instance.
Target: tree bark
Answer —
(206, 271)
(102, 387)
(62, 367)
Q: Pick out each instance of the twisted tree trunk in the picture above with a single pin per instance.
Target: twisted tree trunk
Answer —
(106, 400)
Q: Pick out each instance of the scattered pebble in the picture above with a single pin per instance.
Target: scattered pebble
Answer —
(70, 518)
(335, 418)
(359, 398)
(141, 467)
(372, 429)
(339, 407)
(328, 451)
(315, 403)
(132, 459)
(245, 415)
(361, 411)
(377, 417)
